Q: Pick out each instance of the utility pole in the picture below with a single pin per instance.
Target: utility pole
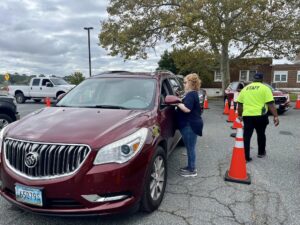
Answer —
(88, 30)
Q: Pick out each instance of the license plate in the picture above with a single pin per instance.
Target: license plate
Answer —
(29, 195)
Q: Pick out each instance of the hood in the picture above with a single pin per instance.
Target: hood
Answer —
(75, 125)
(278, 93)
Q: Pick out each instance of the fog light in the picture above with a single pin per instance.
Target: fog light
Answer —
(125, 149)
(98, 198)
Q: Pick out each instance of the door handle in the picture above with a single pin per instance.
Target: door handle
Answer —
(40, 88)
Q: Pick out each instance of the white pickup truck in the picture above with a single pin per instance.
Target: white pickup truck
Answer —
(40, 88)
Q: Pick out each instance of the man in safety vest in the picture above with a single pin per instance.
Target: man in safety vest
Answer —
(254, 101)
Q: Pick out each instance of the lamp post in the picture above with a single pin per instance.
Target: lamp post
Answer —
(88, 29)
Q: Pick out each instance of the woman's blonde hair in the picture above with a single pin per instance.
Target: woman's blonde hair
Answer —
(194, 81)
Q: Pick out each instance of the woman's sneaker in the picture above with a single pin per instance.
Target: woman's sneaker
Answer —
(188, 173)
(186, 169)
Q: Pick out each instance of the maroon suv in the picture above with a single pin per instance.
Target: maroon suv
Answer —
(282, 99)
(103, 149)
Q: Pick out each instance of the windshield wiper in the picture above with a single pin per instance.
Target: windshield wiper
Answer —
(108, 107)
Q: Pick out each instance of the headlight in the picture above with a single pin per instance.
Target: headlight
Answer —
(122, 150)
(1, 137)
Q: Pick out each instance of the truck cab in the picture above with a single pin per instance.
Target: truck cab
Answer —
(39, 88)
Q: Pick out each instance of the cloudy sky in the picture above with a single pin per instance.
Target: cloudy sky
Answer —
(47, 37)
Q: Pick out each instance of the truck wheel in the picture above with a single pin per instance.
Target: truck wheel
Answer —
(4, 120)
(155, 183)
(20, 98)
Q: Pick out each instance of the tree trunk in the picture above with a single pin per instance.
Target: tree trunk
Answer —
(225, 67)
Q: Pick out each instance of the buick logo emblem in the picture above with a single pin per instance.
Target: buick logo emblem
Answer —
(31, 159)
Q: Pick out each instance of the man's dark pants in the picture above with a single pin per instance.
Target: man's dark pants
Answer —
(259, 123)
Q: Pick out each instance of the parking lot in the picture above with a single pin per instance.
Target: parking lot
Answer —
(272, 198)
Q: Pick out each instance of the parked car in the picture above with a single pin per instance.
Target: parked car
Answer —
(103, 149)
(201, 93)
(8, 111)
(282, 99)
(40, 88)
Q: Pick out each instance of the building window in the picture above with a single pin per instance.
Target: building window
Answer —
(280, 76)
(298, 77)
(247, 75)
(218, 76)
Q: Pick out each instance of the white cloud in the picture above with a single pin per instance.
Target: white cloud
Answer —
(47, 36)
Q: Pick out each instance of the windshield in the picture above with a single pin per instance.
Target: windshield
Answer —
(59, 82)
(117, 93)
(233, 86)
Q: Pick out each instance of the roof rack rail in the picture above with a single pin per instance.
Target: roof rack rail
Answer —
(113, 71)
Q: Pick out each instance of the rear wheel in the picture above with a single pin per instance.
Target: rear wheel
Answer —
(20, 98)
(155, 183)
(5, 120)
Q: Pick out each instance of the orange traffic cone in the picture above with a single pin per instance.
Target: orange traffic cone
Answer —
(226, 108)
(205, 103)
(237, 124)
(238, 171)
(47, 102)
(231, 115)
(297, 106)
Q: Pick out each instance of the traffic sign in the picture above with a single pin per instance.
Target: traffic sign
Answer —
(6, 77)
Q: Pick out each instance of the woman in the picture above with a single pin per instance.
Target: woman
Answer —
(190, 122)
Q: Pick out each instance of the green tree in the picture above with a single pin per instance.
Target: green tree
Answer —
(167, 63)
(228, 28)
(75, 78)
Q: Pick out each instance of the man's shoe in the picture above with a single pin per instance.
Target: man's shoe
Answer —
(188, 173)
(261, 156)
(249, 159)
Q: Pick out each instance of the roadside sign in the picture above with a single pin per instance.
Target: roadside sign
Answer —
(6, 77)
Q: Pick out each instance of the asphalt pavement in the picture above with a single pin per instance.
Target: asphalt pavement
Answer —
(272, 198)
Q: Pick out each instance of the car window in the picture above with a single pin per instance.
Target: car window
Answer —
(45, 81)
(58, 81)
(36, 82)
(129, 93)
(166, 89)
(176, 86)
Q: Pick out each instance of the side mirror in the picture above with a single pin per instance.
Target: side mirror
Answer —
(48, 84)
(172, 99)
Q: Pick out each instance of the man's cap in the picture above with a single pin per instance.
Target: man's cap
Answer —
(258, 76)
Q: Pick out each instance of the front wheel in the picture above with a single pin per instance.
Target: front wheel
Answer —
(4, 120)
(155, 183)
(20, 98)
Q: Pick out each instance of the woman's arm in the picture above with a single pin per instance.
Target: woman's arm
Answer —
(183, 108)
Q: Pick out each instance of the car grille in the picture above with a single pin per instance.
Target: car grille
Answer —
(50, 160)
(280, 100)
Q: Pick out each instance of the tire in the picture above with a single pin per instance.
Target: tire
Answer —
(5, 120)
(20, 98)
(37, 100)
(152, 197)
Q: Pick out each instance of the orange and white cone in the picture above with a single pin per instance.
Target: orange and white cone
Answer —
(297, 106)
(231, 115)
(226, 108)
(47, 102)
(238, 171)
(205, 103)
(237, 124)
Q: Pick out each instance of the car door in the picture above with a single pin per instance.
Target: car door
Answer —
(167, 118)
(47, 91)
(35, 87)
